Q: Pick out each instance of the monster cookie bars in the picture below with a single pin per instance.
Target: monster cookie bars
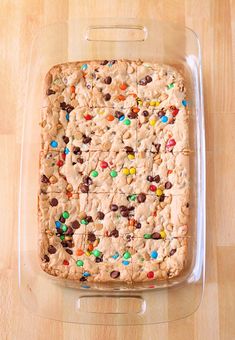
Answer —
(114, 172)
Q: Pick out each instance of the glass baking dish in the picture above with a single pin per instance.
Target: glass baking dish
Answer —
(118, 304)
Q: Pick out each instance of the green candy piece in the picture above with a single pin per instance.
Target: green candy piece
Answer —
(147, 236)
(113, 173)
(94, 173)
(127, 122)
(65, 214)
(170, 86)
(62, 237)
(64, 227)
(84, 222)
(126, 255)
(96, 252)
(133, 197)
(79, 263)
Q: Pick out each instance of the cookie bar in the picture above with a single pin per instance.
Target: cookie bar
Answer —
(114, 172)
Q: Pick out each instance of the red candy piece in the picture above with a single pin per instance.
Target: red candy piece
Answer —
(103, 164)
(88, 117)
(60, 162)
(169, 172)
(175, 112)
(171, 142)
(150, 275)
(63, 155)
(152, 188)
(69, 194)
(66, 263)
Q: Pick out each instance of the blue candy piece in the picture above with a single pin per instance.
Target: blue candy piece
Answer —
(66, 151)
(57, 224)
(86, 274)
(54, 143)
(67, 116)
(154, 254)
(164, 119)
(84, 67)
(83, 286)
(125, 263)
(121, 118)
(115, 256)
(184, 102)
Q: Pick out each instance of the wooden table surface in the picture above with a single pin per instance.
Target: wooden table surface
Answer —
(214, 22)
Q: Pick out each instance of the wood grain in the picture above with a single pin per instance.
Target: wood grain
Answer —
(214, 21)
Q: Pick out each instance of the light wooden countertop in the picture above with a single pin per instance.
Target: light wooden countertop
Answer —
(214, 22)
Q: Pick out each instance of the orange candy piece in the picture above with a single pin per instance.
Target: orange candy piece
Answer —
(135, 109)
(134, 95)
(123, 86)
(72, 89)
(79, 252)
(90, 247)
(110, 118)
(121, 97)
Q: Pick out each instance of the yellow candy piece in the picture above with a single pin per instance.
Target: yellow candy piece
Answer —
(163, 234)
(152, 103)
(130, 157)
(132, 171)
(159, 192)
(87, 253)
(101, 112)
(157, 103)
(125, 171)
(152, 122)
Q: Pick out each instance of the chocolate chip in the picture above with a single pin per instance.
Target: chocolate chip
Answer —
(62, 219)
(69, 231)
(44, 179)
(145, 113)
(156, 178)
(65, 139)
(141, 197)
(168, 185)
(150, 178)
(115, 274)
(89, 219)
(64, 244)
(156, 236)
(104, 62)
(76, 150)
(172, 252)
(69, 251)
(80, 160)
(51, 249)
(131, 208)
(113, 207)
(161, 113)
(70, 244)
(148, 79)
(69, 108)
(157, 146)
(132, 115)
(75, 224)
(129, 150)
(84, 188)
(83, 279)
(100, 215)
(87, 180)
(111, 62)
(114, 233)
(143, 82)
(123, 207)
(118, 114)
(98, 259)
(86, 140)
(124, 213)
(107, 97)
(138, 225)
(187, 205)
(46, 258)
(91, 237)
(108, 80)
(54, 202)
(63, 105)
(161, 198)
(50, 91)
